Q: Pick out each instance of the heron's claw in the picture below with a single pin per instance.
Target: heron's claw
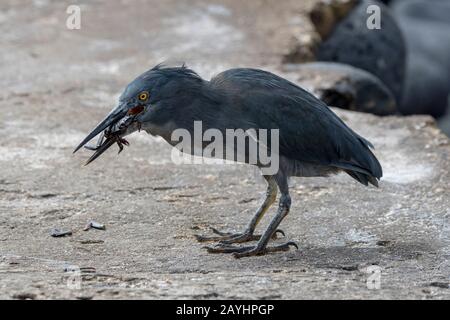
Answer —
(248, 251)
(261, 251)
(274, 236)
(229, 237)
(245, 237)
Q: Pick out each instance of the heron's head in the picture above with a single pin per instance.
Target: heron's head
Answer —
(150, 98)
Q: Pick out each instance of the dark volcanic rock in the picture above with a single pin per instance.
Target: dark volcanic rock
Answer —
(426, 89)
(426, 26)
(344, 86)
(382, 51)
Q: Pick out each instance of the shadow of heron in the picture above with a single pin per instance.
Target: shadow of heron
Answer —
(354, 257)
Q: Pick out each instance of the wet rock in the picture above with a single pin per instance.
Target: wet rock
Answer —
(381, 52)
(344, 86)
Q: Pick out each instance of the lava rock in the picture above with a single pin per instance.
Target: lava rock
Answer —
(344, 86)
(381, 52)
(426, 26)
(426, 89)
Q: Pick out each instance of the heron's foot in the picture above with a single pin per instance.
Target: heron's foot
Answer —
(248, 251)
(229, 238)
(247, 236)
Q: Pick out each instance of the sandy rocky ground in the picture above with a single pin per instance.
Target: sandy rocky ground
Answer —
(58, 83)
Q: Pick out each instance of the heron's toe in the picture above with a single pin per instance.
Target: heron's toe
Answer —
(275, 234)
(256, 251)
(225, 248)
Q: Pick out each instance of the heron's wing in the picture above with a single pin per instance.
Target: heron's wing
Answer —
(309, 130)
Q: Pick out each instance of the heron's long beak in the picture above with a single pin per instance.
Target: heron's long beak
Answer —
(105, 146)
(111, 119)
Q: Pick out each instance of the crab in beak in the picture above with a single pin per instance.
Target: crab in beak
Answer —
(112, 130)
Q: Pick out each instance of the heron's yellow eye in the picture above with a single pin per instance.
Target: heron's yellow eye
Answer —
(143, 96)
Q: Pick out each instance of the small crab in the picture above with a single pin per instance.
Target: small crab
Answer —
(112, 134)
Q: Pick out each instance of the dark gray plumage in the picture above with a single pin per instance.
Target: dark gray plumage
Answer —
(310, 133)
(313, 140)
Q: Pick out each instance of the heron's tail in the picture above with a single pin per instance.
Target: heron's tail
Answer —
(362, 166)
(363, 178)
